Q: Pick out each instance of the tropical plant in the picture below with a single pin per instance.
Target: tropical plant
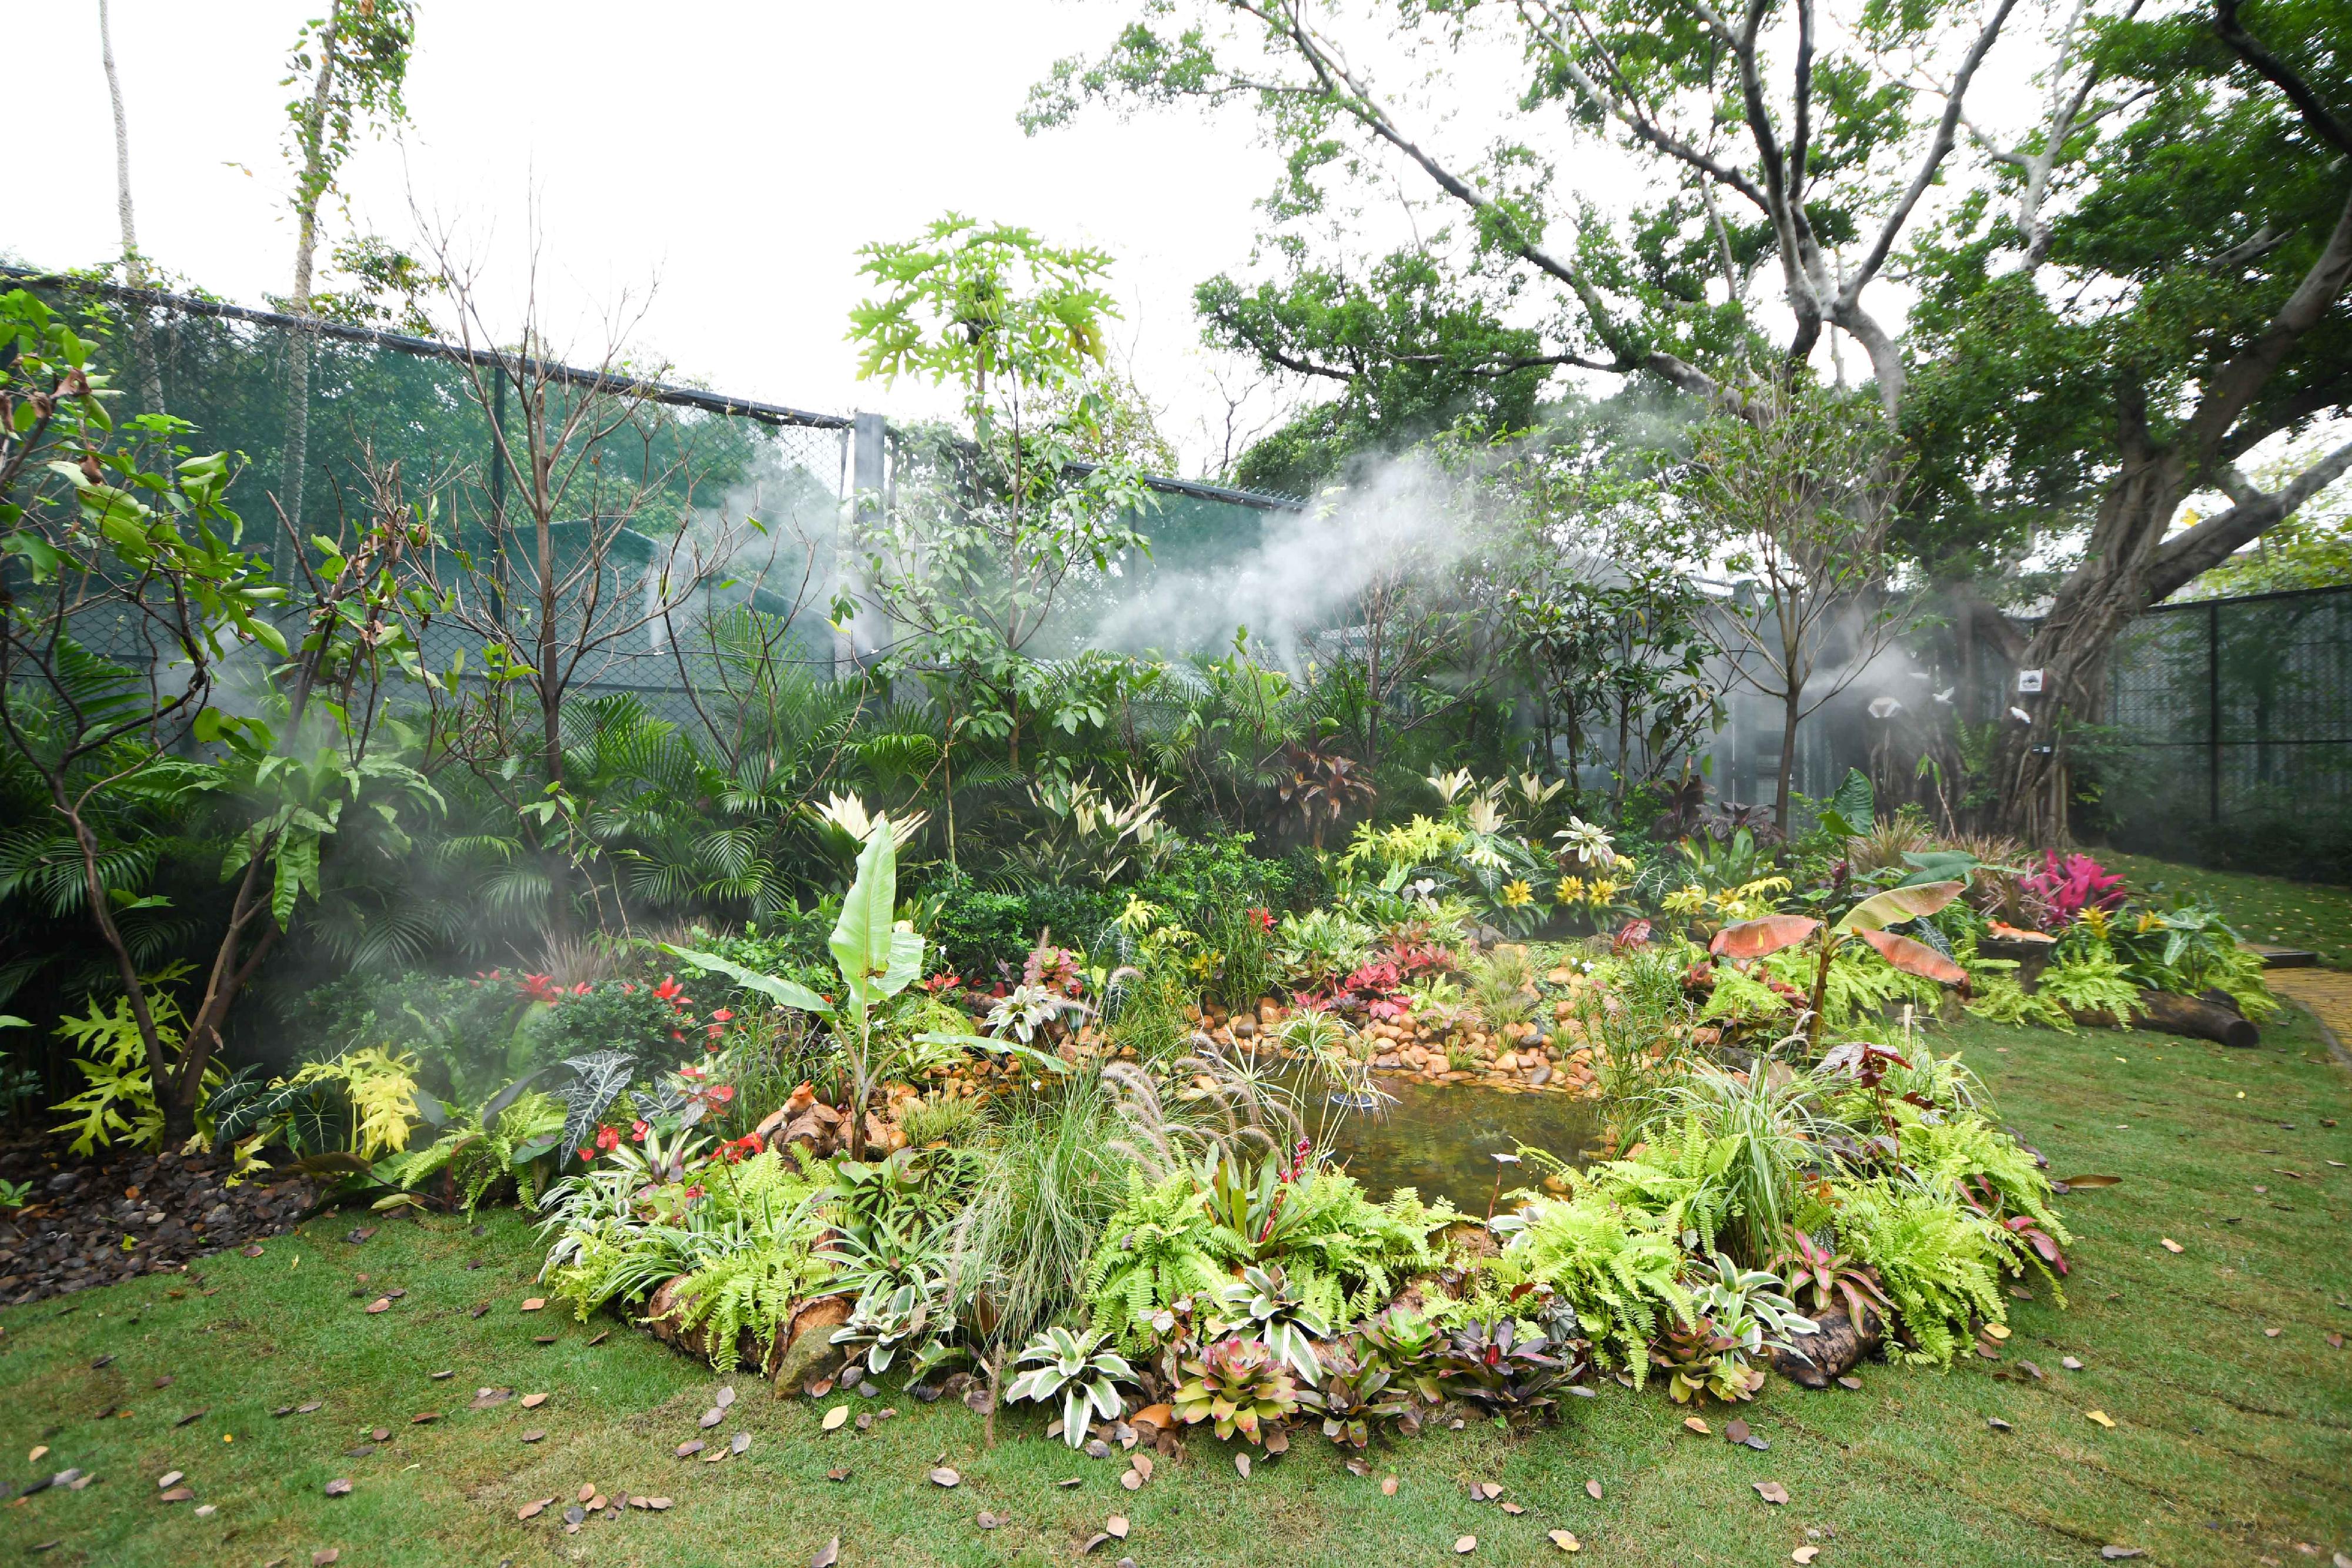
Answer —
(1737, 1314)
(1078, 1369)
(111, 1053)
(1618, 1267)
(877, 957)
(880, 1325)
(2089, 981)
(1818, 1277)
(1240, 1385)
(1497, 1365)
(1260, 1306)
(1866, 922)
(1939, 1264)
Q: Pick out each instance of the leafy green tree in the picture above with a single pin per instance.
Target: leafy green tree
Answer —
(986, 531)
(351, 67)
(1780, 143)
(94, 544)
(2157, 293)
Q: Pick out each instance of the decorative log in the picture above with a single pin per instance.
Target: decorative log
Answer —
(2168, 1014)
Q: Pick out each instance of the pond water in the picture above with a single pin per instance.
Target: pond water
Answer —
(1441, 1139)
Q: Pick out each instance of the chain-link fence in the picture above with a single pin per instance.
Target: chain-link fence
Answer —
(2232, 737)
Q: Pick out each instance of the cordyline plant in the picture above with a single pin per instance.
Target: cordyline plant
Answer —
(1866, 922)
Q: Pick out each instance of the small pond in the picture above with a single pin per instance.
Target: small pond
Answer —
(1441, 1139)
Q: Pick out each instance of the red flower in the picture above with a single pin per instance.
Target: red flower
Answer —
(719, 1094)
(753, 1144)
(627, 990)
(669, 989)
(581, 989)
(722, 1015)
(540, 989)
(1265, 918)
(689, 1072)
(608, 1137)
(586, 1154)
(637, 1131)
(694, 1192)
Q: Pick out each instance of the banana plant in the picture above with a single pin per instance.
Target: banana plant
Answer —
(878, 957)
(1866, 922)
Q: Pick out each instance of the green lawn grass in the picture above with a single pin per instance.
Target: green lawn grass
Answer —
(2267, 909)
(2229, 1445)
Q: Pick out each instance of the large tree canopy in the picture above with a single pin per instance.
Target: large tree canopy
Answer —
(2145, 287)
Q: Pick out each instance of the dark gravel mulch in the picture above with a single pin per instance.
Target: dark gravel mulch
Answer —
(92, 1222)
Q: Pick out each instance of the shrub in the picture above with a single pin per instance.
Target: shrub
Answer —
(1939, 1264)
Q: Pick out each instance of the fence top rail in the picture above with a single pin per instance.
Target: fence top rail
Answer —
(2224, 601)
(570, 375)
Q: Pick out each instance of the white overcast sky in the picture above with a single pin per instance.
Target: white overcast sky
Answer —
(735, 154)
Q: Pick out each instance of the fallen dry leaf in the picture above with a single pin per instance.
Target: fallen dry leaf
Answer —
(1772, 1492)
(533, 1401)
(837, 1475)
(168, 1478)
(1853, 1383)
(741, 1443)
(1466, 1545)
(2070, 1363)
(2101, 1417)
(179, 1494)
(2117, 1554)
(1388, 1486)
(658, 1504)
(1096, 1539)
(2170, 1244)
(1116, 1525)
(533, 1436)
(1735, 1431)
(987, 1521)
(1804, 1554)
(533, 1509)
(1131, 1481)
(325, 1554)
(2271, 1333)
(944, 1476)
(1143, 1464)
(1242, 1463)
(829, 1556)
(1565, 1541)
(1514, 1509)
(381, 1305)
(1592, 1490)
(1996, 1330)
(426, 1419)
(690, 1447)
(836, 1418)
(711, 1417)
(1695, 1424)
(533, 1303)
(339, 1487)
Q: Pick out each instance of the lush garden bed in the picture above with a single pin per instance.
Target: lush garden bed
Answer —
(2226, 1446)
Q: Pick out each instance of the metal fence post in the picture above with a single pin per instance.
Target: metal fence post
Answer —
(868, 472)
(2213, 711)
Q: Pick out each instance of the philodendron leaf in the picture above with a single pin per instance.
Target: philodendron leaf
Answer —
(773, 987)
(1897, 904)
(862, 938)
(1914, 957)
(1755, 938)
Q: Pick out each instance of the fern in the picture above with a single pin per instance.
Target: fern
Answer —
(1620, 1266)
(2092, 981)
(752, 1290)
(2000, 1000)
(1939, 1264)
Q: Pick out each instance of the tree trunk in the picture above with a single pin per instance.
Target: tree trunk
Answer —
(307, 196)
(2072, 646)
(1792, 709)
(134, 266)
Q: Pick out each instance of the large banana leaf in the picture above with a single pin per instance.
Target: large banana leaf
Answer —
(877, 959)
(1897, 904)
(1914, 957)
(1755, 938)
(1028, 1053)
(773, 987)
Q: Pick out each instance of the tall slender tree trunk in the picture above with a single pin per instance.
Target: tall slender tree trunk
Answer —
(1792, 709)
(134, 264)
(308, 195)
